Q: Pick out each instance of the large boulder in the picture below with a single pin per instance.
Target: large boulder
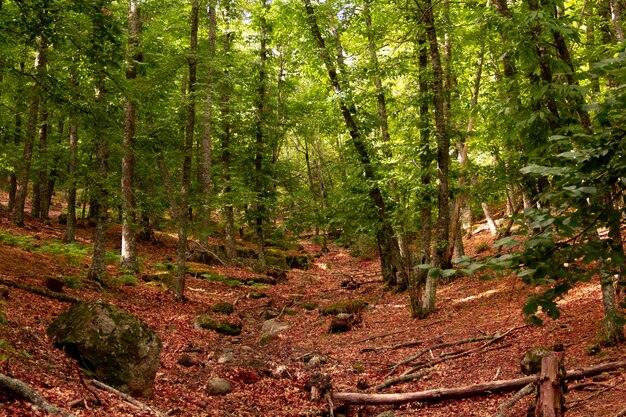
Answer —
(112, 345)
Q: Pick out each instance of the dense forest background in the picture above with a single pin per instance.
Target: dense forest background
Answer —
(374, 123)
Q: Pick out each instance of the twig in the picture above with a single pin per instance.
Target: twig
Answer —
(137, 404)
(527, 390)
(437, 346)
(26, 392)
(622, 413)
(582, 400)
(404, 344)
(381, 335)
(82, 381)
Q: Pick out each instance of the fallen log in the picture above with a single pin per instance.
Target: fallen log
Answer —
(39, 291)
(130, 400)
(25, 391)
(488, 388)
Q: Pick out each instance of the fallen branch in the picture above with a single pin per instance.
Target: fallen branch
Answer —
(487, 388)
(455, 355)
(437, 346)
(26, 392)
(527, 390)
(137, 404)
(50, 294)
(403, 344)
(402, 378)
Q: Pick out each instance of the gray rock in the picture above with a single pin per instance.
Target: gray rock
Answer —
(273, 327)
(114, 346)
(218, 386)
(387, 413)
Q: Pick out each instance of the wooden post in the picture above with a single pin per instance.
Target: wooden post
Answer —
(550, 395)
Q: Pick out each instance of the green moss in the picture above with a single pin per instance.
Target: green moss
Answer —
(267, 338)
(223, 308)
(257, 294)
(220, 326)
(311, 305)
(348, 307)
(276, 258)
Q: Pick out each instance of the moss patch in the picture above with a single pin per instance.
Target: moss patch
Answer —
(221, 326)
(223, 308)
(347, 307)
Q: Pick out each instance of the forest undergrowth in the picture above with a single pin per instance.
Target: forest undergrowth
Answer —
(477, 334)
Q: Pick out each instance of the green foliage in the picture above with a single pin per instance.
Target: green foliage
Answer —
(364, 247)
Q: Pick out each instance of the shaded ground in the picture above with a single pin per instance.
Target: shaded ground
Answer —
(269, 378)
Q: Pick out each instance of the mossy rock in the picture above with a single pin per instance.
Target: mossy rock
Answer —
(302, 262)
(223, 308)
(220, 326)
(344, 307)
(245, 253)
(257, 295)
(276, 258)
(531, 362)
(112, 345)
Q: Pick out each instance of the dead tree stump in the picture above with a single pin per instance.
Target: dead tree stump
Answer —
(550, 402)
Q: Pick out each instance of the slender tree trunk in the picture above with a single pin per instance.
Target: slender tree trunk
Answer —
(39, 197)
(398, 252)
(17, 138)
(260, 182)
(128, 256)
(616, 19)
(225, 142)
(207, 134)
(21, 189)
(443, 162)
(70, 226)
(416, 290)
(385, 235)
(183, 215)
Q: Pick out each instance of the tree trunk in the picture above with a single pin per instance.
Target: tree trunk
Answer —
(69, 235)
(128, 258)
(259, 174)
(389, 258)
(183, 208)
(17, 138)
(416, 290)
(39, 203)
(21, 189)
(443, 161)
(207, 134)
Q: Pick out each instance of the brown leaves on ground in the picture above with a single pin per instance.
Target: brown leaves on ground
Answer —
(269, 375)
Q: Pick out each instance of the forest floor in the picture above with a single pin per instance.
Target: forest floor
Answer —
(269, 379)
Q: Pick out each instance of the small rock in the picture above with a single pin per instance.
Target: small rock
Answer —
(387, 413)
(218, 386)
(187, 360)
(273, 327)
(226, 357)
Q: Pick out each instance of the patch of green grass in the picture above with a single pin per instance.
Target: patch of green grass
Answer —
(164, 267)
(18, 241)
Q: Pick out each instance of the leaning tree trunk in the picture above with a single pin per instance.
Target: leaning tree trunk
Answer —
(443, 162)
(39, 204)
(128, 258)
(385, 234)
